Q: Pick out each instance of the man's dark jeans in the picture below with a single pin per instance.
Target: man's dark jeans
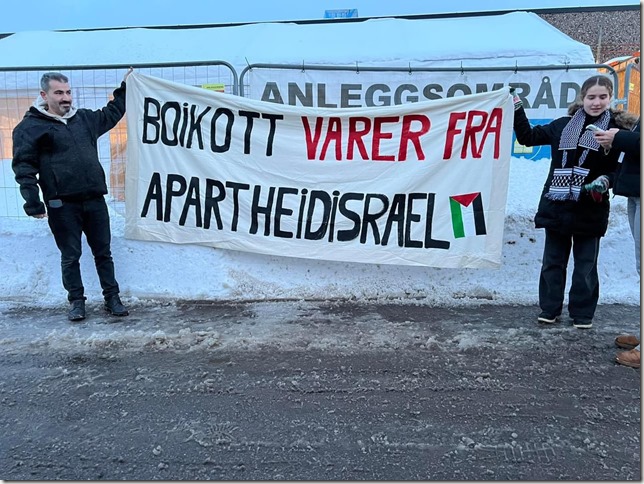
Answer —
(68, 222)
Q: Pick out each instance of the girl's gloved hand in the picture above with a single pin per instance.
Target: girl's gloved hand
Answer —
(597, 188)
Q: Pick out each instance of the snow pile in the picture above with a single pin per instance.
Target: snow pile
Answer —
(150, 272)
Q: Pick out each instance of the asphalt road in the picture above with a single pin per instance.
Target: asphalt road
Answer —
(316, 391)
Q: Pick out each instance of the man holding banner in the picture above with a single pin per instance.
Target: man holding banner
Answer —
(55, 151)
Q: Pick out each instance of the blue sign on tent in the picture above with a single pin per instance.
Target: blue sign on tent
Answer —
(341, 13)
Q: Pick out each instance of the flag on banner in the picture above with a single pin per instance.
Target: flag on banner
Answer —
(373, 185)
(468, 217)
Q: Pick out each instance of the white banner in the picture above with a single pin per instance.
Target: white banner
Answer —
(416, 184)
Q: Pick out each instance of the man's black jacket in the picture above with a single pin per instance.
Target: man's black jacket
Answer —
(62, 158)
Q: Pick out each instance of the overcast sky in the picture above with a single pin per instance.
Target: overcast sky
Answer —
(21, 15)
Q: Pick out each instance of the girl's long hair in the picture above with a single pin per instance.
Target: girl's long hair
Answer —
(623, 119)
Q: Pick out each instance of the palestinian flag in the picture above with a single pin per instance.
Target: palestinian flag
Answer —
(468, 218)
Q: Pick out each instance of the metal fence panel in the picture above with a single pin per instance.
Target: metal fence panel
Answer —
(546, 91)
(92, 87)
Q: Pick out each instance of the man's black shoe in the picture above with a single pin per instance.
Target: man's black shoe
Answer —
(114, 306)
(77, 311)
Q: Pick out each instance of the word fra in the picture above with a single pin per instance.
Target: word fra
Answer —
(472, 129)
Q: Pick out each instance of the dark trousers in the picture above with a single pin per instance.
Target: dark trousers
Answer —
(68, 223)
(584, 289)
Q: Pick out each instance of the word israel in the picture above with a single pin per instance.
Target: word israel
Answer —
(355, 137)
(317, 213)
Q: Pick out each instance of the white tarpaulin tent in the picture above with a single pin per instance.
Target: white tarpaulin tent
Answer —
(512, 39)
(518, 37)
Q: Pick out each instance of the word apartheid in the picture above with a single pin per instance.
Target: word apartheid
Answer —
(403, 219)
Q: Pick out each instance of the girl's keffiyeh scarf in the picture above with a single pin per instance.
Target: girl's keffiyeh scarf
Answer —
(567, 182)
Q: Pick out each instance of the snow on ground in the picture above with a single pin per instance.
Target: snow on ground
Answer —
(150, 272)
(155, 275)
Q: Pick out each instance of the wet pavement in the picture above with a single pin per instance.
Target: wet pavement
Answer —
(306, 390)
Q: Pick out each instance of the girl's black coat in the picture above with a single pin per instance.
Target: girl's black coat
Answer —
(582, 217)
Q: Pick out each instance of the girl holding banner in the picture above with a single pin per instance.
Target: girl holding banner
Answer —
(574, 204)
